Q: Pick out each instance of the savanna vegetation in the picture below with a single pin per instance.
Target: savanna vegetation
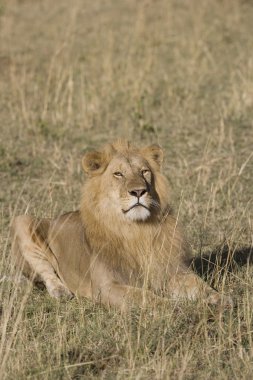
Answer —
(74, 75)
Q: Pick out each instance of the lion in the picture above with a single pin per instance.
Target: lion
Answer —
(124, 247)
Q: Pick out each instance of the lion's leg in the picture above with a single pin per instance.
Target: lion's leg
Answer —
(189, 285)
(31, 254)
(111, 293)
(125, 297)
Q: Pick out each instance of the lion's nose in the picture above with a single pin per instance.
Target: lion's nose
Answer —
(138, 192)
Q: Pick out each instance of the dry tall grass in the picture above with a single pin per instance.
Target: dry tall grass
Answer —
(76, 74)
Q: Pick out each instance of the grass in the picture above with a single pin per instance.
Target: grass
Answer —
(75, 76)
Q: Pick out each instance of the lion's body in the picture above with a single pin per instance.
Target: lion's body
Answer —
(124, 242)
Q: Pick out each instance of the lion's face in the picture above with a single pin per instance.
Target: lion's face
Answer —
(130, 188)
(126, 181)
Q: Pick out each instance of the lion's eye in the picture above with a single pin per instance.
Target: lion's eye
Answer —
(145, 171)
(118, 174)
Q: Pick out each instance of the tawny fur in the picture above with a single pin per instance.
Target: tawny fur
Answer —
(113, 250)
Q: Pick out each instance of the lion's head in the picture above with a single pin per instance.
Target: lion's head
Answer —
(125, 181)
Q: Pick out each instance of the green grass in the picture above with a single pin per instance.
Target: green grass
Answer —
(73, 76)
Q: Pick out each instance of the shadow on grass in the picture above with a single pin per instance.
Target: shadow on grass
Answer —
(222, 260)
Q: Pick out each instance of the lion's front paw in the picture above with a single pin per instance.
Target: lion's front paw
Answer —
(59, 291)
(220, 300)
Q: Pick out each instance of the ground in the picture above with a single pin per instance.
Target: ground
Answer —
(77, 74)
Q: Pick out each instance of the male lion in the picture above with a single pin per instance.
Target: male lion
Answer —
(124, 246)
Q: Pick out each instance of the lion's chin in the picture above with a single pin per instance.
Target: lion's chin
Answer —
(138, 213)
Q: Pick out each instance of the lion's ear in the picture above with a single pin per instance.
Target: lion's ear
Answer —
(93, 162)
(154, 153)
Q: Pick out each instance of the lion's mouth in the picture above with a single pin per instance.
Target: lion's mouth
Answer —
(135, 205)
